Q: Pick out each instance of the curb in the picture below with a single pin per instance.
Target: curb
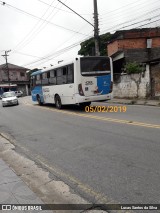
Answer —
(136, 102)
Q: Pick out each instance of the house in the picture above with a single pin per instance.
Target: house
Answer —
(141, 46)
(16, 75)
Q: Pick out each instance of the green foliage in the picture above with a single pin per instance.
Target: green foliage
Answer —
(133, 67)
(88, 46)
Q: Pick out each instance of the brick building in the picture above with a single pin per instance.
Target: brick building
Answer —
(141, 46)
(16, 75)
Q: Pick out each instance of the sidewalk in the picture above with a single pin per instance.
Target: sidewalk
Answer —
(135, 101)
(14, 191)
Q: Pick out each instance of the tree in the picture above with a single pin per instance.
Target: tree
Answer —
(133, 67)
(88, 46)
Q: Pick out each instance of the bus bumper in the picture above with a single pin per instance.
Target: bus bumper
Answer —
(83, 99)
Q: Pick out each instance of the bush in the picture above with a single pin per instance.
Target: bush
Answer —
(133, 67)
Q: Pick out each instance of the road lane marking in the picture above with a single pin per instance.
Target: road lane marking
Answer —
(133, 123)
(84, 187)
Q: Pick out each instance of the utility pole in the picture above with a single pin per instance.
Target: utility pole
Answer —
(5, 56)
(96, 29)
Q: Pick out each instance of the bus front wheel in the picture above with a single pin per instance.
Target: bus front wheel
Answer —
(58, 102)
(39, 100)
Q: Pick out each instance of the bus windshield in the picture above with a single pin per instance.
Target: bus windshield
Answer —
(94, 66)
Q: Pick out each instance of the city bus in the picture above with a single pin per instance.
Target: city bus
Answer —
(80, 82)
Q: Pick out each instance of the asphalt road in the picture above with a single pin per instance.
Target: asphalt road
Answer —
(115, 156)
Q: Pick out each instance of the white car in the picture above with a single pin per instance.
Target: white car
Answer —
(9, 98)
(19, 93)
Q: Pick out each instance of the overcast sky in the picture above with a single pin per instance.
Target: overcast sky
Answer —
(42, 32)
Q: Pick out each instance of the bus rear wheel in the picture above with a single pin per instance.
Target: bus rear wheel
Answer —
(58, 102)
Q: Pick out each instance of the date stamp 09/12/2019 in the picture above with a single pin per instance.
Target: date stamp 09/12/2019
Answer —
(111, 109)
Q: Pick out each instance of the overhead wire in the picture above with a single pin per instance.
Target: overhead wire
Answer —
(102, 14)
(31, 32)
(76, 44)
(49, 57)
(43, 24)
(33, 56)
(36, 17)
(114, 17)
(62, 51)
(75, 32)
(118, 25)
(55, 54)
(146, 13)
(67, 11)
(129, 9)
(56, 50)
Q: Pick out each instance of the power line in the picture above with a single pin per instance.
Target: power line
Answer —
(60, 8)
(119, 8)
(112, 28)
(115, 17)
(29, 40)
(21, 53)
(76, 13)
(129, 9)
(31, 32)
(74, 45)
(58, 52)
(42, 26)
(115, 26)
(36, 17)
(148, 23)
(142, 15)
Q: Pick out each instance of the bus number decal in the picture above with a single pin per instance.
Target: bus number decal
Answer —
(88, 83)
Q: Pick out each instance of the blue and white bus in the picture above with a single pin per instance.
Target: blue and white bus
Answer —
(81, 81)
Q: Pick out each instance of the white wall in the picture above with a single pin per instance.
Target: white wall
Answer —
(133, 85)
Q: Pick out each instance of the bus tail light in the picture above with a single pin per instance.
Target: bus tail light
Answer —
(111, 86)
(80, 90)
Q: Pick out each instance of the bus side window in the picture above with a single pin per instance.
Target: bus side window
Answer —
(64, 75)
(61, 76)
(70, 74)
(44, 79)
(52, 79)
(48, 75)
(34, 81)
(38, 79)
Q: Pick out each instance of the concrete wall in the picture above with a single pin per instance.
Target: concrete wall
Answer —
(14, 75)
(133, 86)
(155, 80)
